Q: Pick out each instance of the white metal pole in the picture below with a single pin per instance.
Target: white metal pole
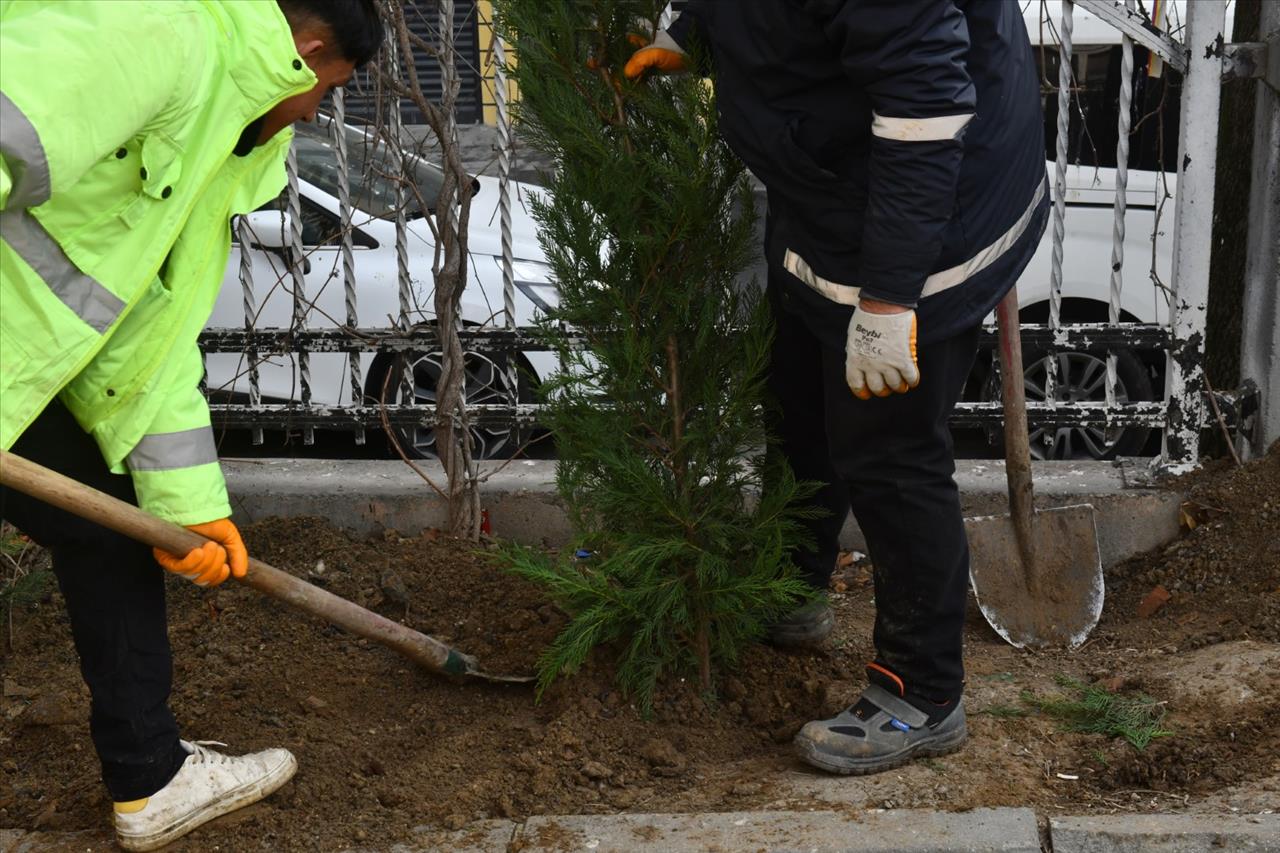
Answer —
(1122, 199)
(395, 149)
(504, 209)
(250, 304)
(1260, 332)
(1059, 201)
(297, 263)
(1193, 230)
(348, 258)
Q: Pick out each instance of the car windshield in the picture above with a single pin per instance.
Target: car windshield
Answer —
(371, 166)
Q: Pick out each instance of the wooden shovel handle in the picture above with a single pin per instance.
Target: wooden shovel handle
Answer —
(1017, 446)
(76, 498)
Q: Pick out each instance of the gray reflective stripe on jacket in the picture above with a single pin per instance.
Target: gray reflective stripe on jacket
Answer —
(28, 166)
(85, 296)
(164, 451)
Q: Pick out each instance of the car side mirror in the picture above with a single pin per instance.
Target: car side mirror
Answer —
(269, 229)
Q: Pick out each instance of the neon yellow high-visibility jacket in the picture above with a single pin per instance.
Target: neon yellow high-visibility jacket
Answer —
(118, 122)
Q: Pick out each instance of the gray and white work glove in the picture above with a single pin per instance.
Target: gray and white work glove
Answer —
(880, 353)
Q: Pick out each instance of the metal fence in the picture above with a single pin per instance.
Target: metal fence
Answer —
(373, 357)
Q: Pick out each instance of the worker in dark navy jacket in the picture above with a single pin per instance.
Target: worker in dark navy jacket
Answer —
(901, 145)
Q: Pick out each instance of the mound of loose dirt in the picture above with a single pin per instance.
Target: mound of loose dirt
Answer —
(384, 748)
(1228, 563)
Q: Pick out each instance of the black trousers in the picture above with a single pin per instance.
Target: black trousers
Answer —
(890, 460)
(114, 591)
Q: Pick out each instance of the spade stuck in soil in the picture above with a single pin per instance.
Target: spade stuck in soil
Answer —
(89, 503)
(1037, 574)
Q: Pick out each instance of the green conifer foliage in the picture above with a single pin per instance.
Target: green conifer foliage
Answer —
(646, 222)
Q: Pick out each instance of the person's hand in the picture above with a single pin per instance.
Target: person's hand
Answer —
(656, 58)
(212, 562)
(880, 352)
(634, 39)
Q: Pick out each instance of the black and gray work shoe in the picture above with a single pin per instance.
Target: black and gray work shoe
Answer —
(803, 627)
(890, 733)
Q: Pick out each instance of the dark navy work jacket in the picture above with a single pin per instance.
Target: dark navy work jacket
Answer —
(901, 143)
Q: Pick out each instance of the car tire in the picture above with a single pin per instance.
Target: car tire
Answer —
(1081, 378)
(487, 381)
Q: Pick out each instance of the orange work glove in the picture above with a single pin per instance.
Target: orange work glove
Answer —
(657, 57)
(212, 562)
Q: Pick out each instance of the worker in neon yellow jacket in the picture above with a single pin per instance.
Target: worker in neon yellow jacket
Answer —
(130, 133)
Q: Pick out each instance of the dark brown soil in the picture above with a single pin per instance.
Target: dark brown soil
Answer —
(384, 748)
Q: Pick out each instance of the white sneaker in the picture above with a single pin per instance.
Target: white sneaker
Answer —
(208, 784)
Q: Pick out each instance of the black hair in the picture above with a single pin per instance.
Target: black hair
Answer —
(355, 24)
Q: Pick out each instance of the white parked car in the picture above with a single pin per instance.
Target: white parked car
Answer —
(378, 294)
(1086, 287)
(1090, 222)
(1086, 258)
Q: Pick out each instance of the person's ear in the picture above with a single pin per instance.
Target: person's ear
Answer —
(309, 48)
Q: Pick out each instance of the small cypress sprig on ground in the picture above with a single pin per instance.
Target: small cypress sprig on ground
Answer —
(1095, 710)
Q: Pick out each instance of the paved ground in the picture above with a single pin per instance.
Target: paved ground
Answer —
(849, 831)
(1164, 833)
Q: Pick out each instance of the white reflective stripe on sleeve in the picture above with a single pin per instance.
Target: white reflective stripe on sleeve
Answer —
(85, 296)
(20, 145)
(848, 294)
(919, 129)
(164, 451)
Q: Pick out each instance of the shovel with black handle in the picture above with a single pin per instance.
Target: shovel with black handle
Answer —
(76, 498)
(1037, 574)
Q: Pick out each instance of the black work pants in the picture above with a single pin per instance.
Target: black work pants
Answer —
(114, 592)
(889, 459)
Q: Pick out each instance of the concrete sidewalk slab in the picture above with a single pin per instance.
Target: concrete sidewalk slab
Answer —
(999, 830)
(368, 496)
(485, 836)
(1005, 830)
(1165, 833)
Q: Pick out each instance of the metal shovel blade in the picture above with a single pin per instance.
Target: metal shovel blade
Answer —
(500, 679)
(1053, 603)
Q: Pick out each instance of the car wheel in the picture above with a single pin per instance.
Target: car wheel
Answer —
(1082, 378)
(486, 381)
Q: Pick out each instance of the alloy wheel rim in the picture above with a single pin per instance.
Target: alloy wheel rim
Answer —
(1082, 377)
(485, 382)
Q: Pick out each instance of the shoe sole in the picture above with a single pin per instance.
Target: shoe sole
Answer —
(808, 637)
(236, 798)
(810, 754)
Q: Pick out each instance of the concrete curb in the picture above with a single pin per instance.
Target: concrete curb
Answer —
(1165, 833)
(368, 496)
(1003, 830)
(1000, 830)
(484, 836)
